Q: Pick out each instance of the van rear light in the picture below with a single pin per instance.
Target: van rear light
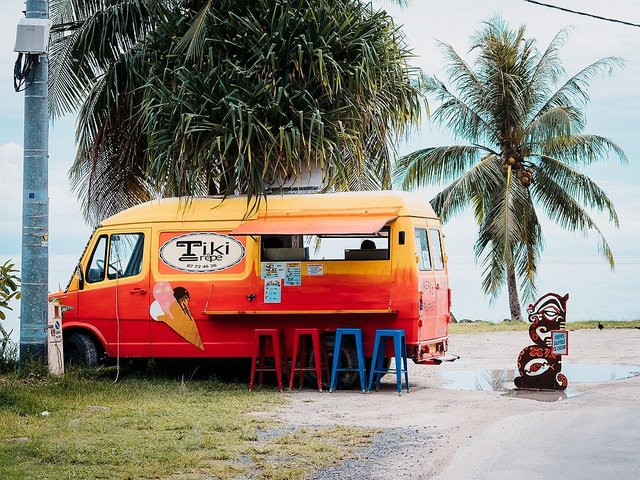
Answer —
(449, 295)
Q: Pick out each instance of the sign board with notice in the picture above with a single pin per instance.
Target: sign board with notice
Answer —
(560, 342)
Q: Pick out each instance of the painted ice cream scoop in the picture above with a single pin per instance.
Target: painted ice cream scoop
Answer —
(163, 293)
(175, 314)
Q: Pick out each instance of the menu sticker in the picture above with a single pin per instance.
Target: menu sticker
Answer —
(272, 290)
(272, 270)
(315, 269)
(293, 274)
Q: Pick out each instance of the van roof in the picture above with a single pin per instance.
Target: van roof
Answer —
(392, 203)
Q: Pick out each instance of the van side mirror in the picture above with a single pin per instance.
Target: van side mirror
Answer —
(80, 278)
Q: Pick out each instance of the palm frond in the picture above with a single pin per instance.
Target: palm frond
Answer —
(547, 70)
(193, 41)
(574, 183)
(84, 46)
(563, 209)
(574, 91)
(485, 176)
(456, 115)
(582, 149)
(552, 124)
(435, 165)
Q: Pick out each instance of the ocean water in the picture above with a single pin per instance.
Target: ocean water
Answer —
(595, 292)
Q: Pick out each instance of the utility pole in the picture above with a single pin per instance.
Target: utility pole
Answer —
(35, 188)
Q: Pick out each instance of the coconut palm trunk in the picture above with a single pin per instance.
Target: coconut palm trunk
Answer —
(514, 300)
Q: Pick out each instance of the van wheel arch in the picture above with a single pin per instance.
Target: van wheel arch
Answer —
(81, 348)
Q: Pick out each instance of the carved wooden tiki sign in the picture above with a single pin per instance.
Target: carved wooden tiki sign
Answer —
(540, 364)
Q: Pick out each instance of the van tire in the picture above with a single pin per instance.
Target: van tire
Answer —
(80, 350)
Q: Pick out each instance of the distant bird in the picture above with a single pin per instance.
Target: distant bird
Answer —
(600, 326)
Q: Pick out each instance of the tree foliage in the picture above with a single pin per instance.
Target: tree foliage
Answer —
(524, 125)
(9, 287)
(9, 291)
(191, 97)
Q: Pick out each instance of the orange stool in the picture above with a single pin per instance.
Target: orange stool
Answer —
(301, 339)
(260, 337)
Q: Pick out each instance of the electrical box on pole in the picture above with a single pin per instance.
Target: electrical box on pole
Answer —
(33, 35)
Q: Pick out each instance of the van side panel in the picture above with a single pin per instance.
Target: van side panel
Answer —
(201, 292)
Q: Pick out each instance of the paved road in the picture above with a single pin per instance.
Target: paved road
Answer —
(580, 443)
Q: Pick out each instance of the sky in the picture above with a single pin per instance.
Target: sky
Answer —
(570, 262)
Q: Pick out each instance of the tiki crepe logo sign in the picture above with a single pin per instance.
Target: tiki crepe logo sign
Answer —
(202, 252)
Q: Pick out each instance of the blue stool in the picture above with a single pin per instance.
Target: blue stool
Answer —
(357, 333)
(400, 351)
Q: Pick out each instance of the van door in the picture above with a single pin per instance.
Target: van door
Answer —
(441, 283)
(426, 286)
(115, 296)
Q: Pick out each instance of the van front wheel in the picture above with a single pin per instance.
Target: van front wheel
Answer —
(80, 350)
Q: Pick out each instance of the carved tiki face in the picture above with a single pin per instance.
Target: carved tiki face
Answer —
(548, 313)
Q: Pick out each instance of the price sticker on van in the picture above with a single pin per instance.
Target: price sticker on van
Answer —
(202, 252)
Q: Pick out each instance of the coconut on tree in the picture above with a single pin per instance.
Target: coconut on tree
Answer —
(193, 97)
(523, 120)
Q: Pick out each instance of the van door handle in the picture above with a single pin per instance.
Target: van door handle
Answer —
(138, 291)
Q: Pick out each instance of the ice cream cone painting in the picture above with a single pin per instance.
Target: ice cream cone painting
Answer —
(171, 306)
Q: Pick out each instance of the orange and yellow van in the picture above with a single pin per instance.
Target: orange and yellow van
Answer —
(194, 278)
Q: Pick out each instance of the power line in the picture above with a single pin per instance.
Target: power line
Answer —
(584, 14)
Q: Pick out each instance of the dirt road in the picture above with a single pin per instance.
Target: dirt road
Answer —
(439, 432)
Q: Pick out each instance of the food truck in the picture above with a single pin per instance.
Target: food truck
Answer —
(195, 277)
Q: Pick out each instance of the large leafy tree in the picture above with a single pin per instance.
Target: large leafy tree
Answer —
(189, 97)
(523, 121)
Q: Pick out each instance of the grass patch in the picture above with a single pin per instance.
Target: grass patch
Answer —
(296, 454)
(153, 428)
(478, 327)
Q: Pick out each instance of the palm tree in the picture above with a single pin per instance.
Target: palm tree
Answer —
(526, 147)
(190, 97)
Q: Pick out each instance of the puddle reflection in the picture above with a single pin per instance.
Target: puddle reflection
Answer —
(541, 395)
(502, 380)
